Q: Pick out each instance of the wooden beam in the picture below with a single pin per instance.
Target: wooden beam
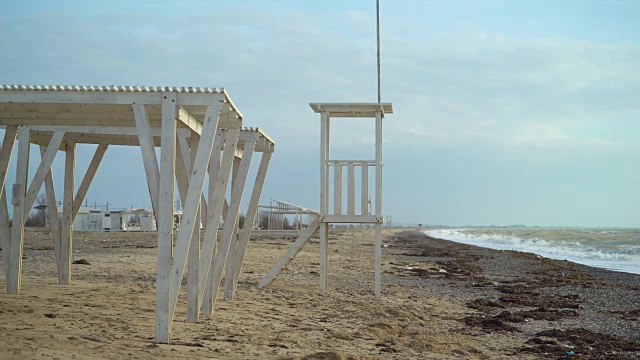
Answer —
(294, 249)
(217, 192)
(364, 196)
(18, 201)
(231, 283)
(324, 199)
(351, 190)
(110, 97)
(54, 219)
(66, 238)
(196, 183)
(233, 247)
(378, 245)
(337, 190)
(193, 297)
(43, 168)
(378, 260)
(5, 157)
(5, 233)
(5, 152)
(148, 154)
(229, 229)
(164, 217)
(88, 178)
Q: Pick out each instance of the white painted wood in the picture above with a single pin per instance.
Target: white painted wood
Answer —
(149, 157)
(324, 196)
(324, 171)
(352, 109)
(350, 219)
(189, 121)
(164, 217)
(229, 228)
(217, 189)
(364, 191)
(54, 219)
(351, 190)
(252, 210)
(378, 247)
(109, 97)
(17, 228)
(88, 178)
(324, 257)
(66, 238)
(233, 247)
(190, 206)
(43, 168)
(5, 232)
(293, 250)
(102, 130)
(337, 190)
(193, 296)
(378, 260)
(5, 152)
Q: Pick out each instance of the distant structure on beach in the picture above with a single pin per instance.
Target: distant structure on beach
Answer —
(283, 216)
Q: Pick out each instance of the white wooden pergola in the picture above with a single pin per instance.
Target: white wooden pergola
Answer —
(200, 135)
(336, 214)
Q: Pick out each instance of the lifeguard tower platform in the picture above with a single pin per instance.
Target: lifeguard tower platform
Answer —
(335, 213)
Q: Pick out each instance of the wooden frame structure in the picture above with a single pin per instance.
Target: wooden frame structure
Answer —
(277, 211)
(335, 214)
(199, 132)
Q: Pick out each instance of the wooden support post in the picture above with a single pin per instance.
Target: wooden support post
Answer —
(243, 241)
(217, 190)
(191, 204)
(324, 199)
(229, 228)
(364, 201)
(294, 249)
(324, 256)
(54, 219)
(193, 296)
(5, 231)
(88, 178)
(164, 215)
(5, 152)
(233, 247)
(378, 246)
(149, 157)
(18, 201)
(337, 189)
(351, 190)
(66, 238)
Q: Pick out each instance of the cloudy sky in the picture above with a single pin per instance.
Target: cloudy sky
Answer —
(506, 112)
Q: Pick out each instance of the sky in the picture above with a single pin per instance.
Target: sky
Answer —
(505, 112)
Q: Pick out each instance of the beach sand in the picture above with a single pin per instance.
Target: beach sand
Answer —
(440, 300)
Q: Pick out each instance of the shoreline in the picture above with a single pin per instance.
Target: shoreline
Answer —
(440, 299)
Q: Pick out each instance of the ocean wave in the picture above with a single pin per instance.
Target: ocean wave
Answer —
(623, 257)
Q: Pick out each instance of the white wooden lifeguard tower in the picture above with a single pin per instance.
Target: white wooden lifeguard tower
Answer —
(335, 214)
(199, 132)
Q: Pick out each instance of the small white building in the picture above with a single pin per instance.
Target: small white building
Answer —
(97, 220)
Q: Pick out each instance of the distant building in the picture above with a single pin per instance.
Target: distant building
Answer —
(111, 221)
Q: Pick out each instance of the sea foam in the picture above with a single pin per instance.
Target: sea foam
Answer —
(594, 251)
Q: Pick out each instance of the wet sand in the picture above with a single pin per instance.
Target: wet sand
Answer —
(440, 300)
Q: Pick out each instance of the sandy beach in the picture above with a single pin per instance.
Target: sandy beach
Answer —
(440, 300)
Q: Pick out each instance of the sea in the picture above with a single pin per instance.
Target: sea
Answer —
(612, 249)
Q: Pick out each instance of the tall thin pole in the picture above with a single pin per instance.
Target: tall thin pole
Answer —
(378, 45)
